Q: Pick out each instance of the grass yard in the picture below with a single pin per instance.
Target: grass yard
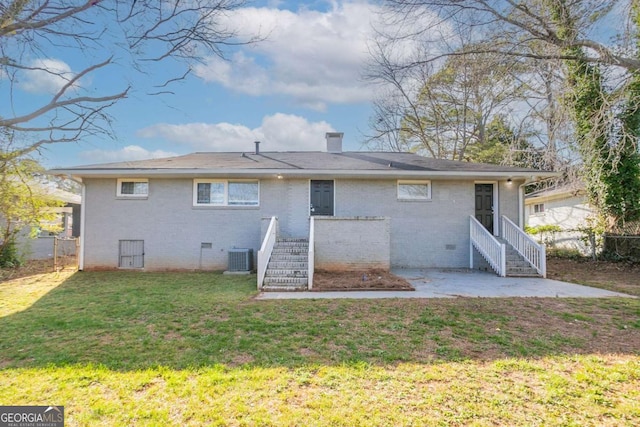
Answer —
(120, 348)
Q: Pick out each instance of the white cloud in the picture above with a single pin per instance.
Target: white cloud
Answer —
(128, 153)
(48, 76)
(278, 132)
(312, 56)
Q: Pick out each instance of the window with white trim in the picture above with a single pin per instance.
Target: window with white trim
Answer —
(133, 187)
(414, 190)
(538, 208)
(215, 192)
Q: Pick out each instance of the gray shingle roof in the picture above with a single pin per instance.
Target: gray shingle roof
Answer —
(300, 161)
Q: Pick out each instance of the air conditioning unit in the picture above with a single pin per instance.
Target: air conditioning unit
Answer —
(240, 259)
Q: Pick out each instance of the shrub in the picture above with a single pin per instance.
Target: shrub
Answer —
(9, 256)
(541, 229)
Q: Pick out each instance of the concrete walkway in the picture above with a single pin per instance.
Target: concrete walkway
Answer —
(437, 283)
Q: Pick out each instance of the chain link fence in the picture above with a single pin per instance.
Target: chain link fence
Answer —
(624, 242)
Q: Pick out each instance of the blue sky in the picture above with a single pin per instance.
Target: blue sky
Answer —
(287, 91)
(303, 80)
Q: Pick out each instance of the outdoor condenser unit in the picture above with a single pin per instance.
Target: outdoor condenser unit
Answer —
(240, 259)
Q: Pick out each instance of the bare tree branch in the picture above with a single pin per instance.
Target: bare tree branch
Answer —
(526, 17)
(35, 33)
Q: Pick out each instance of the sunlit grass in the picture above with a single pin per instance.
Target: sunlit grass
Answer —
(19, 294)
(578, 390)
(123, 348)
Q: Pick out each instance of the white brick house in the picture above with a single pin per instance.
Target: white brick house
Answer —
(359, 209)
(567, 208)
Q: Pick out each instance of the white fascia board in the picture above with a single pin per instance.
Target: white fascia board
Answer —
(298, 173)
(557, 196)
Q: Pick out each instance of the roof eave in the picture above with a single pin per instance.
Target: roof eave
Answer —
(569, 194)
(299, 173)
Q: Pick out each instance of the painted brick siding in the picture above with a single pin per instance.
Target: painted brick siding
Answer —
(431, 233)
(509, 200)
(352, 243)
(172, 229)
(288, 199)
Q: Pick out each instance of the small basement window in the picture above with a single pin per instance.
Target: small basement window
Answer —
(414, 190)
(208, 192)
(133, 187)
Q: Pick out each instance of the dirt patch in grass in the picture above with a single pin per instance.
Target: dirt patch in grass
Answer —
(371, 280)
(614, 276)
(425, 330)
(32, 268)
(29, 268)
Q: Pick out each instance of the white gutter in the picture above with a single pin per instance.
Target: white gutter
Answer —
(337, 173)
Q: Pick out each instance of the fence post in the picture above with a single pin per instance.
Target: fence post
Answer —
(55, 254)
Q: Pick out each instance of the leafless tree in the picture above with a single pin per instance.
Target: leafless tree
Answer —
(523, 32)
(522, 22)
(438, 108)
(547, 116)
(104, 38)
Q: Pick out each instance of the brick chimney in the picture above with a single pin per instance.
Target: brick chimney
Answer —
(334, 142)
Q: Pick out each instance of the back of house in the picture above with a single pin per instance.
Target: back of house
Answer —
(198, 211)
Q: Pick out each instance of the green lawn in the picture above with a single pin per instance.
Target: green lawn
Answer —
(118, 348)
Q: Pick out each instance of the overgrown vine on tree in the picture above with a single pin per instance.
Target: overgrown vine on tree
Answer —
(609, 148)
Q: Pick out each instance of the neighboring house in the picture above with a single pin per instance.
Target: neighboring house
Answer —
(566, 207)
(339, 210)
(68, 219)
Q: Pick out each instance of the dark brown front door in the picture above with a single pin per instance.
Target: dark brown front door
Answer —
(484, 205)
(321, 198)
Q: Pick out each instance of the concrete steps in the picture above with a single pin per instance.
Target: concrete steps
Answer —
(517, 266)
(288, 266)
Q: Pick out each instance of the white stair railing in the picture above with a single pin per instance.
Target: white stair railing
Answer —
(311, 259)
(488, 246)
(531, 250)
(264, 254)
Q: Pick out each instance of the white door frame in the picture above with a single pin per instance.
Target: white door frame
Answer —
(496, 204)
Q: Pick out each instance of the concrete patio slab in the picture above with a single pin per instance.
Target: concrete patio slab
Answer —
(438, 283)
